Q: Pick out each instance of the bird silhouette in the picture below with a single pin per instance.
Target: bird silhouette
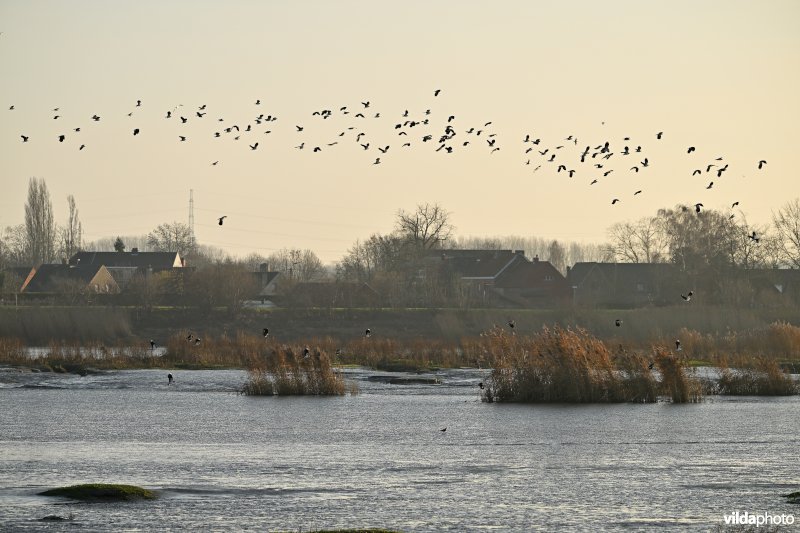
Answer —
(754, 237)
(687, 297)
(637, 192)
(265, 332)
(25, 138)
(761, 164)
(253, 146)
(710, 185)
(136, 131)
(734, 204)
(170, 379)
(512, 324)
(615, 200)
(618, 322)
(677, 345)
(377, 161)
(436, 92)
(697, 207)
(61, 138)
(152, 345)
(659, 134)
(221, 219)
(690, 150)
(368, 333)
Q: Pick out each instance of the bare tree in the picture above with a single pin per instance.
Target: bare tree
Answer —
(174, 237)
(787, 228)
(14, 246)
(297, 265)
(39, 225)
(557, 256)
(644, 241)
(72, 232)
(427, 227)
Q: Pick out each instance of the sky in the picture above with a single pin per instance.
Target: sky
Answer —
(721, 76)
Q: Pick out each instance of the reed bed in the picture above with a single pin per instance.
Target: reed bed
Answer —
(760, 377)
(77, 357)
(290, 371)
(565, 365)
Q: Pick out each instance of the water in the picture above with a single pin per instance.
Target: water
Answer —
(227, 462)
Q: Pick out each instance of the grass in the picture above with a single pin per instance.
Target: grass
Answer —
(102, 492)
(761, 376)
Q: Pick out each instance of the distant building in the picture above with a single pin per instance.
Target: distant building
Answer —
(503, 278)
(624, 285)
(58, 279)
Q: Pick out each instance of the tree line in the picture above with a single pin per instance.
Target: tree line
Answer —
(707, 246)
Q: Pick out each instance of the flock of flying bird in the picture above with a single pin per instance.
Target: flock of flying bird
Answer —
(440, 132)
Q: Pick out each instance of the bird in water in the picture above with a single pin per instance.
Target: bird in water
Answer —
(197, 341)
(443, 430)
(266, 332)
(677, 345)
(189, 337)
(306, 352)
(170, 379)
(511, 324)
(368, 333)
(152, 345)
(480, 385)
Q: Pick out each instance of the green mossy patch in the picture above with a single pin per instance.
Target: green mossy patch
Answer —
(101, 492)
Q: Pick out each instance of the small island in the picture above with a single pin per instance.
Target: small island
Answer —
(101, 492)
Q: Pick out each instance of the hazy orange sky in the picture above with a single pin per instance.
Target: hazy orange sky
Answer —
(723, 76)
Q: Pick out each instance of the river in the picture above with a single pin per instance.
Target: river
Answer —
(226, 462)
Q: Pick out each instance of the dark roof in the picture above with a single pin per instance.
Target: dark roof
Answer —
(154, 260)
(613, 272)
(524, 274)
(48, 275)
(479, 263)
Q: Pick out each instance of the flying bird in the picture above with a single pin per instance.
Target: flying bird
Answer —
(697, 208)
(61, 138)
(659, 134)
(754, 237)
(436, 92)
(136, 131)
(368, 332)
(710, 185)
(637, 192)
(690, 150)
(761, 164)
(265, 332)
(687, 297)
(25, 138)
(618, 322)
(222, 218)
(734, 204)
(615, 200)
(253, 146)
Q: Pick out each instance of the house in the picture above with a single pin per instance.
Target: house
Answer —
(772, 286)
(124, 266)
(12, 279)
(60, 278)
(533, 284)
(155, 261)
(504, 277)
(624, 285)
(267, 282)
